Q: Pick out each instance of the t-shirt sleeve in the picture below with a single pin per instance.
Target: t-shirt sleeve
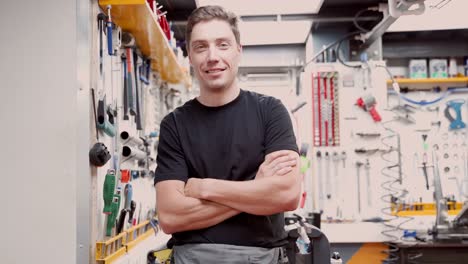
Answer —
(171, 164)
(279, 133)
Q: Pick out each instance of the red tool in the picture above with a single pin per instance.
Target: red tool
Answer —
(368, 103)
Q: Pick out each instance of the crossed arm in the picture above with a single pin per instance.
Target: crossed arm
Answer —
(202, 203)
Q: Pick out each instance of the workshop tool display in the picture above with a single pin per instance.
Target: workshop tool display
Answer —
(368, 104)
(325, 109)
(108, 191)
(455, 122)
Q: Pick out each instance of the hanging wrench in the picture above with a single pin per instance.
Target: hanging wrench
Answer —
(327, 175)
(343, 158)
(369, 189)
(336, 181)
(358, 175)
(320, 183)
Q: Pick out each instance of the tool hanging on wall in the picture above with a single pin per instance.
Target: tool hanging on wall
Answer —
(325, 109)
(129, 152)
(327, 176)
(131, 98)
(128, 192)
(124, 176)
(424, 169)
(121, 221)
(108, 191)
(145, 70)
(109, 24)
(101, 21)
(358, 183)
(368, 183)
(111, 218)
(336, 182)
(343, 158)
(320, 180)
(316, 111)
(98, 154)
(132, 211)
(137, 90)
(105, 124)
(457, 122)
(367, 135)
(367, 103)
(125, 85)
(129, 140)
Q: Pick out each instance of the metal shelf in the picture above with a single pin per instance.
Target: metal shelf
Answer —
(430, 80)
(137, 18)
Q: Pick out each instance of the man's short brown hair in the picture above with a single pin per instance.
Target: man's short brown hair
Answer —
(207, 13)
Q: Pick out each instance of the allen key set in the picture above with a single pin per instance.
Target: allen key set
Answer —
(325, 109)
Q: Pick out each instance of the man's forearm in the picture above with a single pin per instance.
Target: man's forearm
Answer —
(197, 214)
(264, 196)
(186, 213)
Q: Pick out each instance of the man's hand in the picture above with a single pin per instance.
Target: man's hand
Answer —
(193, 188)
(277, 163)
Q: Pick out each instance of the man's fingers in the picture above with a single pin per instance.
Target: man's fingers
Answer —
(282, 162)
(289, 163)
(279, 160)
(272, 156)
(284, 171)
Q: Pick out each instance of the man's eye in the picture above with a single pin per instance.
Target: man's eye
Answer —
(224, 45)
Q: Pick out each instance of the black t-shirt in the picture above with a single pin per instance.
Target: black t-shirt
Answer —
(228, 142)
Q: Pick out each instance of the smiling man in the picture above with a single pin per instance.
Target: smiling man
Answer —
(227, 160)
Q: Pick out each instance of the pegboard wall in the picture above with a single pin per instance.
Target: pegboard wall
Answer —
(130, 100)
(361, 164)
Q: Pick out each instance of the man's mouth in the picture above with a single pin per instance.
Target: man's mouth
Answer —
(215, 70)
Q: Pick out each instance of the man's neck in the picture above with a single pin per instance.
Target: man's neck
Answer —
(213, 99)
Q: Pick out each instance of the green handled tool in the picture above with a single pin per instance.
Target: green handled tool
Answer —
(108, 191)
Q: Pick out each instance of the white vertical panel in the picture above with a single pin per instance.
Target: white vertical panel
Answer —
(38, 114)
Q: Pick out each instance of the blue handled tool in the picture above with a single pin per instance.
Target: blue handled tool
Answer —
(128, 195)
(455, 123)
(110, 48)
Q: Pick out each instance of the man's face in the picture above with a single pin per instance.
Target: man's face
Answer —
(214, 54)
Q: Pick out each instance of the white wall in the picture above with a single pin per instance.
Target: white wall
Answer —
(38, 114)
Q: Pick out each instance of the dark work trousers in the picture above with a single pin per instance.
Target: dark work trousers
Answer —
(224, 254)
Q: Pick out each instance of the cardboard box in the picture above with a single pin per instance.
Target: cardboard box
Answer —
(438, 68)
(418, 69)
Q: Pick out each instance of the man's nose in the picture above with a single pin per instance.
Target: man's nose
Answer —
(212, 54)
